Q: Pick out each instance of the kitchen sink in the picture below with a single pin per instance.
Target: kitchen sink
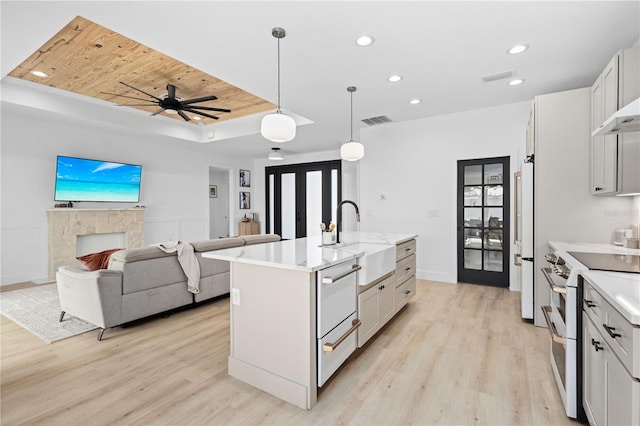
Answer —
(377, 260)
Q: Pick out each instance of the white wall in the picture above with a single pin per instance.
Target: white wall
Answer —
(175, 182)
(414, 164)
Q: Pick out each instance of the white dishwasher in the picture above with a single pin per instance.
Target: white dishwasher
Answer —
(337, 320)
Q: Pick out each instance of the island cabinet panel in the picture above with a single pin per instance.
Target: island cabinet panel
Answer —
(273, 331)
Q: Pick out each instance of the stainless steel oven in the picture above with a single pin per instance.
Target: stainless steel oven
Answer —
(561, 316)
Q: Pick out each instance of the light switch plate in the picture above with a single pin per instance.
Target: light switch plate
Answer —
(235, 296)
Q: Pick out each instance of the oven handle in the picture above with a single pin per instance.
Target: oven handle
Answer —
(331, 280)
(554, 287)
(330, 347)
(553, 331)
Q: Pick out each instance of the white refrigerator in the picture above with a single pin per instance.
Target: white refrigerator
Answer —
(524, 236)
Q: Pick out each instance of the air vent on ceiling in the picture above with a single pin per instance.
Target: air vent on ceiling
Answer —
(497, 76)
(372, 121)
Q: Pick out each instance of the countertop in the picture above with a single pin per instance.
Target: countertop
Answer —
(308, 254)
(621, 290)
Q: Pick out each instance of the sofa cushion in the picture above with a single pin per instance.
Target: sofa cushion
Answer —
(217, 244)
(260, 238)
(96, 261)
(138, 254)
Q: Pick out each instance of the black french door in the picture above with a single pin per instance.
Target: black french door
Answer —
(299, 197)
(483, 221)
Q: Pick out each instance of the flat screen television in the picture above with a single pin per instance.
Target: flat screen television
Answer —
(81, 179)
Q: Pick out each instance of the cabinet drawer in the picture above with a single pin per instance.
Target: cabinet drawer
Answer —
(623, 338)
(405, 249)
(593, 304)
(405, 269)
(405, 292)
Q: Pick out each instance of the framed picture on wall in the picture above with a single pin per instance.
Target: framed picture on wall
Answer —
(245, 200)
(213, 191)
(245, 178)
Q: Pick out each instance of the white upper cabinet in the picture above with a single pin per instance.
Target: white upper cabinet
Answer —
(615, 157)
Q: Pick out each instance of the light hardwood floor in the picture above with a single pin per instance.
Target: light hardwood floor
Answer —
(457, 355)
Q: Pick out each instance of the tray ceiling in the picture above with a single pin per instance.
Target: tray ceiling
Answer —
(91, 60)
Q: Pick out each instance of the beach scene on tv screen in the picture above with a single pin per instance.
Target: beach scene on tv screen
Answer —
(79, 179)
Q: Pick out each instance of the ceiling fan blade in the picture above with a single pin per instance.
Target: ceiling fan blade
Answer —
(203, 99)
(209, 108)
(183, 115)
(141, 91)
(136, 104)
(171, 91)
(157, 112)
(125, 96)
(200, 113)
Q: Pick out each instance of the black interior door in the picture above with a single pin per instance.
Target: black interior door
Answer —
(301, 196)
(483, 221)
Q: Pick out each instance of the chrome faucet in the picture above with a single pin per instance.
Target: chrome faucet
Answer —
(339, 216)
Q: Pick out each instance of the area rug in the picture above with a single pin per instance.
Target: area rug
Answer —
(37, 309)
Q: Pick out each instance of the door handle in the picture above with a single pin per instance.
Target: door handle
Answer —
(610, 331)
(331, 280)
(330, 347)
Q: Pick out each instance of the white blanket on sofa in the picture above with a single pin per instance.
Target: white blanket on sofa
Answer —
(188, 261)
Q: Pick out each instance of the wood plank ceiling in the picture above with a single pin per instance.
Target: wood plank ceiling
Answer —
(88, 59)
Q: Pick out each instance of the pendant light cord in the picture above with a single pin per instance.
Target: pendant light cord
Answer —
(351, 139)
(278, 75)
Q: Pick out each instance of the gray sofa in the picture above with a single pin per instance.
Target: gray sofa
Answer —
(145, 281)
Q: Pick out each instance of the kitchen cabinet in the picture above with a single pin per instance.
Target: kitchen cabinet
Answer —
(614, 158)
(248, 228)
(611, 393)
(531, 135)
(379, 302)
(375, 308)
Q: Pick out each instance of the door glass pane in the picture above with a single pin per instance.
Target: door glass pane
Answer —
(272, 204)
(493, 195)
(472, 238)
(473, 259)
(473, 175)
(493, 261)
(288, 205)
(493, 174)
(493, 239)
(472, 217)
(334, 194)
(493, 217)
(472, 195)
(314, 203)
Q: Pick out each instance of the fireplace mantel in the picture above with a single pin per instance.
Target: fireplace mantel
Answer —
(65, 224)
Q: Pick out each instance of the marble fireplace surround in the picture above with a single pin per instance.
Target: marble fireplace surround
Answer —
(66, 224)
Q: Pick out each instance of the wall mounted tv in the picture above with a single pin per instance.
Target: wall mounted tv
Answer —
(81, 179)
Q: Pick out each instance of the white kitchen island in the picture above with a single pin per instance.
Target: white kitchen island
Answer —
(278, 322)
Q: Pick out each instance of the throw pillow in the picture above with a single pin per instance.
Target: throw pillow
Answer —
(95, 261)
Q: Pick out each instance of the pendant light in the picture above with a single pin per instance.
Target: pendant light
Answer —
(278, 127)
(275, 154)
(351, 151)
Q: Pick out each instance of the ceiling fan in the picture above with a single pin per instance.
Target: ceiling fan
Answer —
(173, 104)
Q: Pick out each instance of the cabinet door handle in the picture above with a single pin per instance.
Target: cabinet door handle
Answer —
(597, 188)
(330, 347)
(610, 331)
(589, 303)
(596, 344)
(407, 249)
(407, 291)
(331, 280)
(407, 268)
(381, 287)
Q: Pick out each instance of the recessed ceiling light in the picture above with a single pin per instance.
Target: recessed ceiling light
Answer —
(516, 82)
(365, 40)
(39, 73)
(518, 49)
(415, 101)
(395, 78)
